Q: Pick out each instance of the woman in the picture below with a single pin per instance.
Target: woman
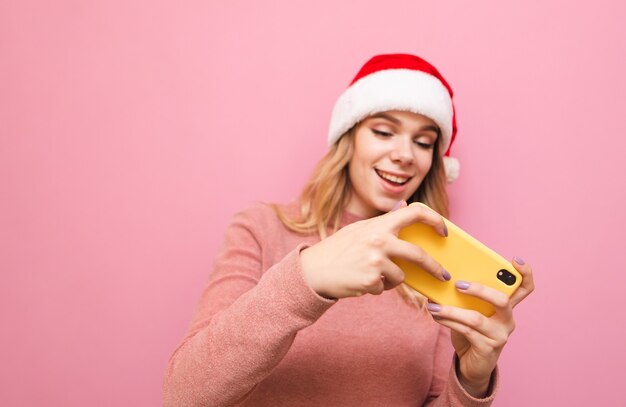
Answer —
(285, 320)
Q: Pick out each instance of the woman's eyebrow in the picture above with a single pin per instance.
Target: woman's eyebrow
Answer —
(428, 127)
(387, 117)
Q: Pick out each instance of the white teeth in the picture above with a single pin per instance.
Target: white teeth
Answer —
(392, 178)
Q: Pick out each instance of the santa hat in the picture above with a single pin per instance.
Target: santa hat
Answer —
(398, 82)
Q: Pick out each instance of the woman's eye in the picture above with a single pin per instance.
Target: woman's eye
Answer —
(424, 145)
(381, 133)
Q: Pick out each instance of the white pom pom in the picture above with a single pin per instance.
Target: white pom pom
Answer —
(452, 167)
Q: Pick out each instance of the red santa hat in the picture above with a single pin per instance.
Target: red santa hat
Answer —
(398, 82)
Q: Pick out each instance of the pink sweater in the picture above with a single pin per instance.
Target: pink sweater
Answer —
(261, 337)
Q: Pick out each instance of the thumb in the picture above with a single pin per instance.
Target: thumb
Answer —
(398, 205)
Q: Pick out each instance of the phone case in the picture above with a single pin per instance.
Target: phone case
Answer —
(465, 258)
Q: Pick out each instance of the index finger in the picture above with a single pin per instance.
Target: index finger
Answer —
(416, 212)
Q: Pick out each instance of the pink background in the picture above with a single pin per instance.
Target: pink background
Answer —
(130, 132)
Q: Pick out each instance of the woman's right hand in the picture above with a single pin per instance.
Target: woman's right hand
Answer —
(356, 260)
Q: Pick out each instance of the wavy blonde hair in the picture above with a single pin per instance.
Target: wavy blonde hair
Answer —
(328, 191)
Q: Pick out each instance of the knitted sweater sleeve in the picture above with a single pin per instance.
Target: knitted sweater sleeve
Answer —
(446, 390)
(245, 322)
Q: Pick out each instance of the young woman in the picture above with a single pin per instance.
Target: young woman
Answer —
(286, 319)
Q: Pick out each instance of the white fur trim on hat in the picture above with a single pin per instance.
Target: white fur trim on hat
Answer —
(452, 167)
(393, 89)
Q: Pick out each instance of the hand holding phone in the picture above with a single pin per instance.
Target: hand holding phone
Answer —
(465, 258)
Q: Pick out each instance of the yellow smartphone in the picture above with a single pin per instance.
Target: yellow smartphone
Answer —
(465, 258)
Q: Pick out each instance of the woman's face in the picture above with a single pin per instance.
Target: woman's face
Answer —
(393, 152)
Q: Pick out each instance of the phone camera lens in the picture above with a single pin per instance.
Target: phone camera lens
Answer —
(506, 277)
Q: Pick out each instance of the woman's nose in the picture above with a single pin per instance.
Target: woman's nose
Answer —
(402, 152)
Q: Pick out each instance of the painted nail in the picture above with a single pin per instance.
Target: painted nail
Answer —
(462, 285)
(446, 275)
(398, 205)
(433, 307)
(519, 261)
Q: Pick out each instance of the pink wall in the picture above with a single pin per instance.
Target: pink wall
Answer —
(130, 131)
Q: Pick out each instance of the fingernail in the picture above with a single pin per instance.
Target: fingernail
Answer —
(462, 285)
(445, 230)
(446, 275)
(398, 205)
(519, 261)
(433, 307)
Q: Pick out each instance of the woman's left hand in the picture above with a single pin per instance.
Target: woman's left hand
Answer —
(478, 340)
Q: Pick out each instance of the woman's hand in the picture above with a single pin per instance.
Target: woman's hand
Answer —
(357, 259)
(479, 340)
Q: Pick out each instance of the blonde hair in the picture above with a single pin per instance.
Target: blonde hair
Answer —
(328, 191)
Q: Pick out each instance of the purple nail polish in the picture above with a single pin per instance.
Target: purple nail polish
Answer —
(445, 230)
(519, 261)
(446, 275)
(462, 285)
(398, 205)
(433, 307)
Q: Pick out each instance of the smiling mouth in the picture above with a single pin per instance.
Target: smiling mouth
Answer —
(393, 179)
